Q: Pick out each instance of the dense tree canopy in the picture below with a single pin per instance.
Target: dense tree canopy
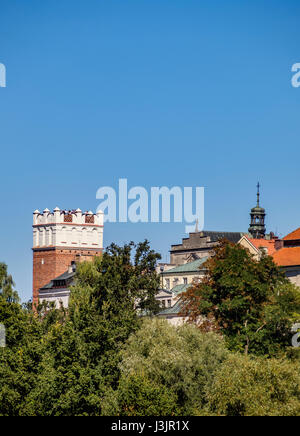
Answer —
(200, 376)
(249, 301)
(107, 354)
(182, 359)
(245, 386)
(61, 362)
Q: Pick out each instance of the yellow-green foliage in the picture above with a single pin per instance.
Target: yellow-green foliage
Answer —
(255, 386)
(182, 359)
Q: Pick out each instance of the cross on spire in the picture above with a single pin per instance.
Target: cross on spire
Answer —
(258, 186)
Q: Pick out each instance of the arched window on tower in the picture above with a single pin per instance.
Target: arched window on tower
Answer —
(94, 240)
(74, 236)
(64, 235)
(84, 236)
(41, 237)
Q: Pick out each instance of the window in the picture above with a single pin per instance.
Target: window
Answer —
(263, 250)
(68, 218)
(74, 235)
(89, 219)
(59, 283)
(185, 281)
(163, 303)
(169, 303)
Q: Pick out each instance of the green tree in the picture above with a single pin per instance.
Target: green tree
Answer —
(245, 386)
(7, 285)
(137, 395)
(250, 302)
(182, 360)
(81, 347)
(18, 360)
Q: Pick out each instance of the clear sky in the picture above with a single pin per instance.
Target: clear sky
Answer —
(161, 92)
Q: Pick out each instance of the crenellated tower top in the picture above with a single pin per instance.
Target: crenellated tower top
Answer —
(67, 228)
(67, 217)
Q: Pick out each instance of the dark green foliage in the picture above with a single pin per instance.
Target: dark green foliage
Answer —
(60, 362)
(250, 302)
(101, 357)
(6, 285)
(138, 395)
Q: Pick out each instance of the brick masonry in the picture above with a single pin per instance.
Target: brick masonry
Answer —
(52, 262)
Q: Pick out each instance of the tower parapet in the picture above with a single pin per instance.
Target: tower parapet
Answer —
(67, 228)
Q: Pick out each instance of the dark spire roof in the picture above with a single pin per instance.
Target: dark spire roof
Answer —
(257, 225)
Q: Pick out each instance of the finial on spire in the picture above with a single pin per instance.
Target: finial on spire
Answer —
(258, 186)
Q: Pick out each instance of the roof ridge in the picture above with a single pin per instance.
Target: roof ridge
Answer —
(289, 234)
(185, 266)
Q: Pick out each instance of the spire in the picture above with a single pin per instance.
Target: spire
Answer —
(257, 227)
(197, 224)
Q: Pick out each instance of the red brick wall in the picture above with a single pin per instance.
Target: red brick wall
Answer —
(48, 264)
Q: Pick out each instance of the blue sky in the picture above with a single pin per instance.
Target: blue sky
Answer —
(168, 92)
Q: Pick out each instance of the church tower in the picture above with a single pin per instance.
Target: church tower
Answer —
(257, 227)
(60, 238)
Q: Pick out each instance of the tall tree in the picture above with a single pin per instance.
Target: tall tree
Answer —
(81, 352)
(182, 361)
(249, 301)
(7, 285)
(20, 357)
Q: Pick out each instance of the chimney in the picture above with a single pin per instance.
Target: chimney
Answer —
(72, 267)
(278, 244)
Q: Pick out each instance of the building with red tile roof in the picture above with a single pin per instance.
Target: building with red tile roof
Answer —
(267, 245)
(259, 246)
(293, 236)
(287, 256)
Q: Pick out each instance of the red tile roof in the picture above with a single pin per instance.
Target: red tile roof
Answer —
(293, 235)
(287, 256)
(265, 243)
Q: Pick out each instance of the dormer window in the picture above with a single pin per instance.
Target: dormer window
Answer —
(263, 250)
(59, 283)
